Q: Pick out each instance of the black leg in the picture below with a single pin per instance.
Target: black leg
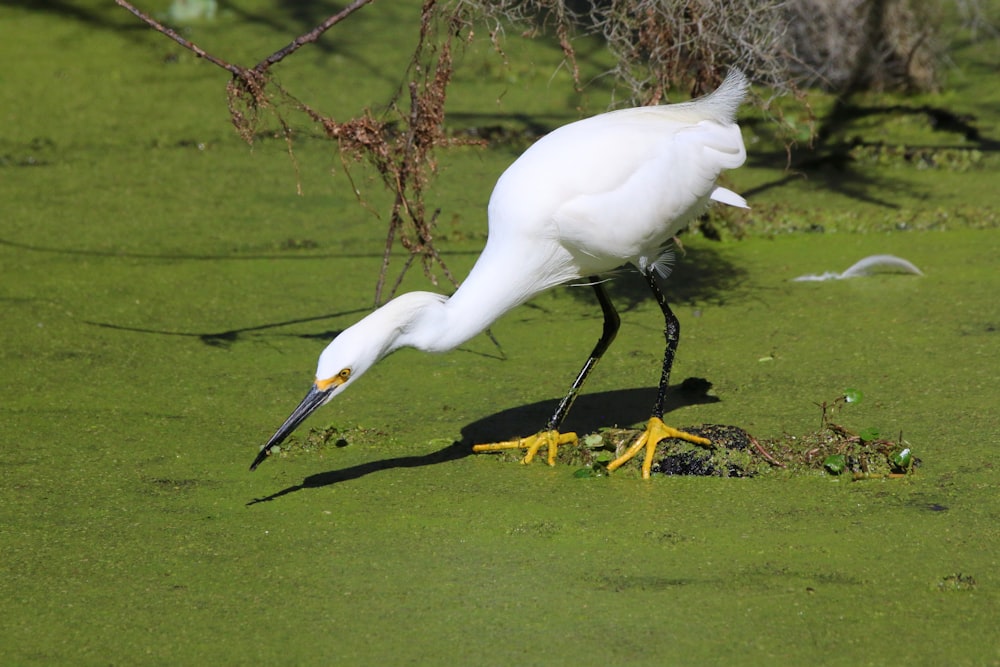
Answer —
(611, 325)
(656, 430)
(672, 332)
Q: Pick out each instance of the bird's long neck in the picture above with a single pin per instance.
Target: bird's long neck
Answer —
(493, 287)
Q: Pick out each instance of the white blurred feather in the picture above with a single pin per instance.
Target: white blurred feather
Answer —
(865, 267)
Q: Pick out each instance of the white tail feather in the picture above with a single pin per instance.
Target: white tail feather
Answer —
(725, 196)
(721, 104)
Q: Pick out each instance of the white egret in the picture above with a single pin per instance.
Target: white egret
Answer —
(585, 199)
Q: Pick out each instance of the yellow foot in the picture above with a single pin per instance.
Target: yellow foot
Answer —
(549, 439)
(655, 431)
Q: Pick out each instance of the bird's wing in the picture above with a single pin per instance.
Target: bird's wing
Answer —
(614, 187)
(639, 191)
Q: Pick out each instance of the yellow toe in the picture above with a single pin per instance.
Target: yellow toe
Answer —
(655, 431)
(532, 444)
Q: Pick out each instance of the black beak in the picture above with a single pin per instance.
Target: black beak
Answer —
(313, 400)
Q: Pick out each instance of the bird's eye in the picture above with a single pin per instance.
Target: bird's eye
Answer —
(344, 374)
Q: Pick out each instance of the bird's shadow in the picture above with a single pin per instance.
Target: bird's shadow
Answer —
(590, 412)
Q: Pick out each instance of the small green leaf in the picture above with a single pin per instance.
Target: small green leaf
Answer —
(604, 457)
(835, 463)
(593, 441)
(853, 395)
(869, 434)
(902, 460)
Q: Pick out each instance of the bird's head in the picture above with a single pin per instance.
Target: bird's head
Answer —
(345, 359)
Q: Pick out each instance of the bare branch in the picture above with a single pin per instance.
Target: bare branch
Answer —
(194, 48)
(311, 36)
(399, 148)
(264, 64)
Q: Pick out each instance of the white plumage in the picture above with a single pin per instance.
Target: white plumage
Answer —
(583, 200)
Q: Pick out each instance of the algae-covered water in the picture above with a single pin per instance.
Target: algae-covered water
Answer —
(165, 293)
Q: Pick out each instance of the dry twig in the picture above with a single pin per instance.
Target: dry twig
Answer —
(403, 158)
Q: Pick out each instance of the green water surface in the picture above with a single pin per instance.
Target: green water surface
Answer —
(165, 293)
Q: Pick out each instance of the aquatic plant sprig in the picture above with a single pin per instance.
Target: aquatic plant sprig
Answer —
(865, 454)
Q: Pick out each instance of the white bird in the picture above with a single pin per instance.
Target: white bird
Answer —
(585, 199)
